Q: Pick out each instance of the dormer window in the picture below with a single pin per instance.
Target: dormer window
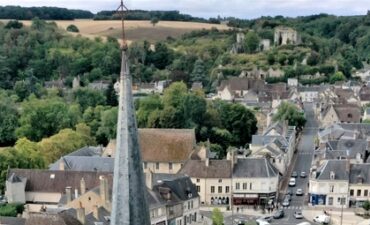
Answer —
(332, 175)
(349, 115)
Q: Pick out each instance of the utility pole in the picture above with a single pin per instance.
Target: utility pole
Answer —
(341, 213)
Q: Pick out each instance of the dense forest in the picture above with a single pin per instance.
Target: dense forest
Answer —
(47, 13)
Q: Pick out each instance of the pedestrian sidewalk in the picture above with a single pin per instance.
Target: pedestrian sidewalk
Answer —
(349, 217)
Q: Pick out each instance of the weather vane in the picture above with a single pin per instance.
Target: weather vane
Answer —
(121, 10)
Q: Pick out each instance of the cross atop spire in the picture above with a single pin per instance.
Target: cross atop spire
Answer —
(121, 9)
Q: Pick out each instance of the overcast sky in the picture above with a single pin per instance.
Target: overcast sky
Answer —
(212, 8)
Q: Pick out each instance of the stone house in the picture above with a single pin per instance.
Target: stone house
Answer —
(340, 113)
(172, 199)
(366, 115)
(236, 87)
(255, 182)
(359, 184)
(162, 150)
(278, 143)
(265, 45)
(286, 35)
(329, 183)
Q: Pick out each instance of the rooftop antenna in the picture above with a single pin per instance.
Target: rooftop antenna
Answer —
(121, 10)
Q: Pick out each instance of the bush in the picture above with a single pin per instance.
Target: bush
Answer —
(73, 28)
(11, 210)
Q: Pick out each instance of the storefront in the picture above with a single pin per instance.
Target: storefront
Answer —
(245, 199)
(316, 199)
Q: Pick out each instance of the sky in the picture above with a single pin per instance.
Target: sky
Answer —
(246, 9)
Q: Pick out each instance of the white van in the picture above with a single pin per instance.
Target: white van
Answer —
(325, 219)
(262, 222)
(292, 182)
(304, 223)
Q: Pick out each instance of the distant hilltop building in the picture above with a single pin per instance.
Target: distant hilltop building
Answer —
(285, 36)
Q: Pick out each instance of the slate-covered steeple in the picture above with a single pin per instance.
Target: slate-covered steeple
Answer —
(129, 203)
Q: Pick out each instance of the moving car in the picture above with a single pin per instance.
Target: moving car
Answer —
(292, 182)
(303, 174)
(299, 192)
(262, 222)
(298, 215)
(324, 219)
(294, 174)
(286, 203)
(288, 197)
(279, 214)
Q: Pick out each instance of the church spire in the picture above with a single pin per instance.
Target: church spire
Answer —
(129, 205)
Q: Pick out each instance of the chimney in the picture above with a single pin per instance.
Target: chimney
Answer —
(207, 162)
(83, 186)
(76, 193)
(149, 179)
(104, 191)
(61, 164)
(81, 215)
(96, 212)
(69, 194)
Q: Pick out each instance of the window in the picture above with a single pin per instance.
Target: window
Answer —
(245, 186)
(212, 189)
(250, 186)
(366, 192)
(227, 189)
(220, 181)
(331, 188)
(157, 166)
(170, 166)
(198, 180)
(330, 201)
(219, 189)
(237, 186)
(358, 192)
(351, 192)
(198, 188)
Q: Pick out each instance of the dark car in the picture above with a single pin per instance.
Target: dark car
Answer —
(289, 192)
(279, 214)
(295, 174)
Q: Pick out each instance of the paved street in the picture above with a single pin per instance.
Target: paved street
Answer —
(303, 163)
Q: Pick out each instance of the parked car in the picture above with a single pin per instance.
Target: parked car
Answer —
(299, 192)
(288, 197)
(304, 223)
(323, 219)
(262, 222)
(295, 174)
(279, 214)
(292, 182)
(289, 192)
(298, 215)
(303, 174)
(286, 203)
(267, 218)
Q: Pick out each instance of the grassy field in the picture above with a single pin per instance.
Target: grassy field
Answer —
(136, 30)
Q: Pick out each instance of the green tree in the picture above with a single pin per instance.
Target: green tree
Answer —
(14, 24)
(217, 217)
(338, 76)
(251, 42)
(171, 117)
(147, 106)
(111, 95)
(199, 72)
(62, 143)
(8, 121)
(174, 94)
(88, 97)
(43, 117)
(108, 126)
(289, 112)
(366, 205)
(154, 21)
(72, 28)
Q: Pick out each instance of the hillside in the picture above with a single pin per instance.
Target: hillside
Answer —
(136, 30)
